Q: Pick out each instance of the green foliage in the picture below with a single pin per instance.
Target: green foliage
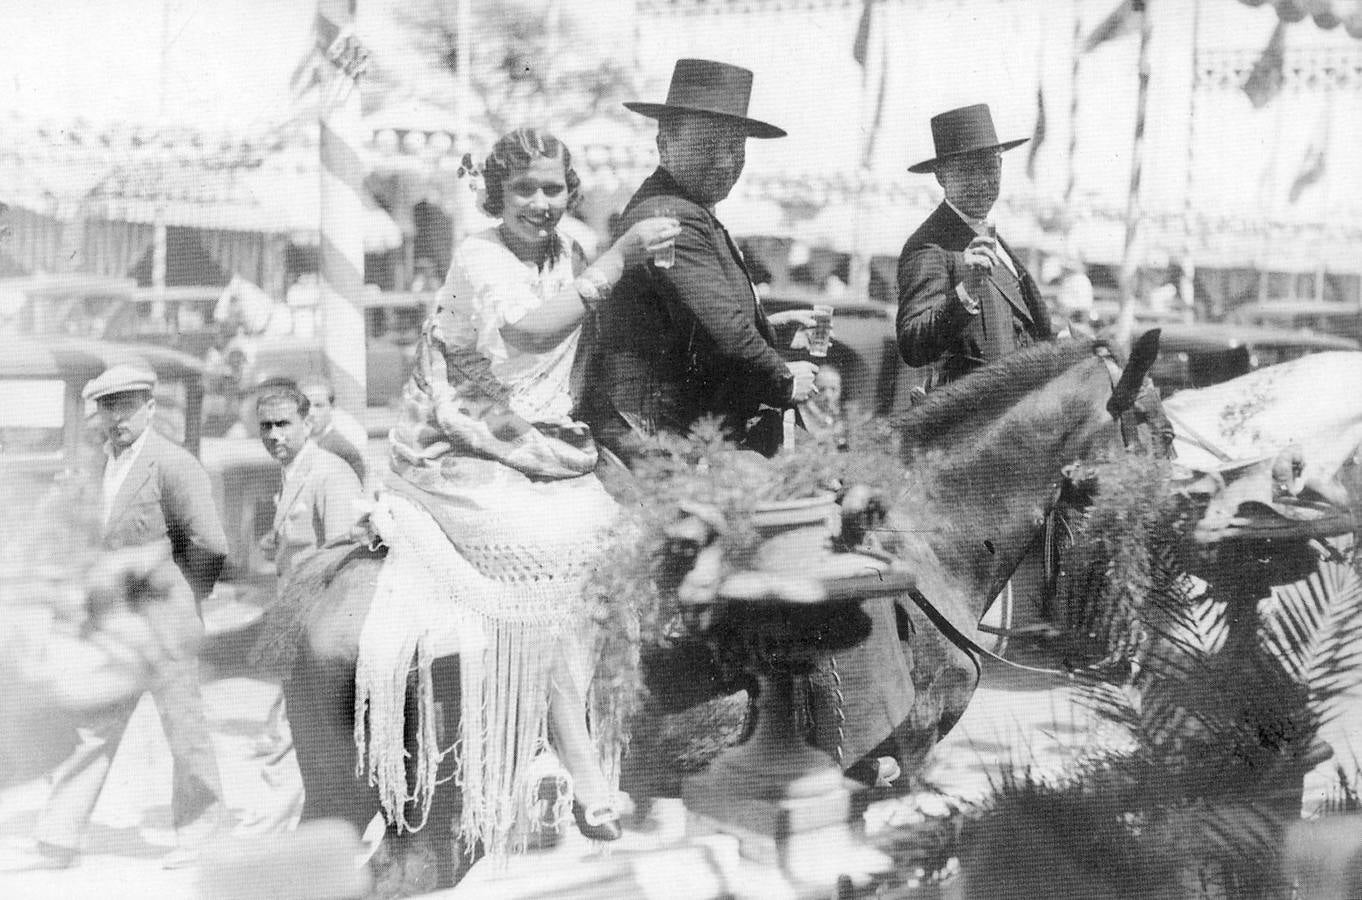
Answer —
(634, 577)
(1125, 548)
(1221, 734)
(1220, 718)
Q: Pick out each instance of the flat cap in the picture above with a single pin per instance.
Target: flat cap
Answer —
(120, 378)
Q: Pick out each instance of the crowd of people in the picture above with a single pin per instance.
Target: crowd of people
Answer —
(538, 381)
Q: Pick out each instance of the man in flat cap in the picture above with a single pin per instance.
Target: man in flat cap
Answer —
(153, 493)
(965, 299)
(682, 341)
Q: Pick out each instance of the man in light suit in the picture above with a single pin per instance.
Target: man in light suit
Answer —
(153, 493)
(318, 500)
(965, 299)
(318, 503)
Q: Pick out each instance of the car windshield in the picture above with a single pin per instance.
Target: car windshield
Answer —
(31, 415)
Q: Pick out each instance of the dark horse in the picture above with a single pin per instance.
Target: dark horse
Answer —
(985, 458)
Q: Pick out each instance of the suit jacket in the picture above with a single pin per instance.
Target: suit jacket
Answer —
(677, 344)
(333, 441)
(934, 327)
(317, 504)
(167, 497)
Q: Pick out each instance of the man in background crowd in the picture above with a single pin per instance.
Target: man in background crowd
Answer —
(318, 503)
(153, 494)
(326, 427)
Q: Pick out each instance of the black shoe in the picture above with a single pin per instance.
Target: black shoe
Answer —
(600, 823)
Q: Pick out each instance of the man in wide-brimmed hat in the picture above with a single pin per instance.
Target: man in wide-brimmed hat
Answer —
(965, 299)
(680, 342)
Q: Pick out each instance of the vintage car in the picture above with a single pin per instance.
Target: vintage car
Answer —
(178, 317)
(1318, 316)
(44, 431)
(69, 304)
(1193, 355)
(864, 348)
(392, 325)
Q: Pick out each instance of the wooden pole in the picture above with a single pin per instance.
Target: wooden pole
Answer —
(461, 210)
(159, 262)
(1188, 212)
(1073, 114)
(1130, 260)
(341, 247)
(873, 75)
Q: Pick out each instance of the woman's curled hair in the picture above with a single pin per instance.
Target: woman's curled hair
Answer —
(513, 153)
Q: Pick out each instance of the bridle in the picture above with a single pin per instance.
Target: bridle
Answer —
(1120, 407)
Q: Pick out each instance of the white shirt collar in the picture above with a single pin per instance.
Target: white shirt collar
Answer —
(291, 467)
(116, 469)
(128, 455)
(976, 224)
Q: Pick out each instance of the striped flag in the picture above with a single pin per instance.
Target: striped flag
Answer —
(1265, 80)
(1037, 135)
(309, 72)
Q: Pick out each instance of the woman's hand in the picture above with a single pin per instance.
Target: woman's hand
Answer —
(645, 237)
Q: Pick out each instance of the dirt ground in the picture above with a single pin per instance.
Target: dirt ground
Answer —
(1017, 718)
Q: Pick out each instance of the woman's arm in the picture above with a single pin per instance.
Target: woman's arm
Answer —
(563, 311)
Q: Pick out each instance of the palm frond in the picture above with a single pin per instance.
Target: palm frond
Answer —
(1314, 630)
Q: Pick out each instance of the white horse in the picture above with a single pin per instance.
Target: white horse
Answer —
(1274, 433)
(1314, 402)
(246, 304)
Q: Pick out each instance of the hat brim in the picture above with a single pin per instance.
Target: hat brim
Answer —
(754, 127)
(929, 165)
(102, 392)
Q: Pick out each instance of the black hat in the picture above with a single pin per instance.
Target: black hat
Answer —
(963, 130)
(713, 89)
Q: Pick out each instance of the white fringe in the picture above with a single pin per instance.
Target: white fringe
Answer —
(430, 601)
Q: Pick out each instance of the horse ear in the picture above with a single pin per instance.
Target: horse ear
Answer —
(1142, 356)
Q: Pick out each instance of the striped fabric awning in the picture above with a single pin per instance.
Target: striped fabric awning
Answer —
(279, 196)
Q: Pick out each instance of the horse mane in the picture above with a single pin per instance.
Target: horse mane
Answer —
(978, 399)
(299, 596)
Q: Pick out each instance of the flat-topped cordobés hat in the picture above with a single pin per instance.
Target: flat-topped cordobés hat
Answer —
(964, 130)
(712, 89)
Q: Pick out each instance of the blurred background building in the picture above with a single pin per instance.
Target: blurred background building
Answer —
(175, 142)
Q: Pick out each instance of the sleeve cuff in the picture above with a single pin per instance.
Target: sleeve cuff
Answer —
(969, 303)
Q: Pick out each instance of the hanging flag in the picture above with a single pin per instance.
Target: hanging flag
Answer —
(1315, 160)
(1265, 80)
(308, 73)
(860, 48)
(1120, 21)
(1037, 135)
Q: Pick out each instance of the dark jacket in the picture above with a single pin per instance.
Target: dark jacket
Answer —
(934, 327)
(677, 344)
(333, 441)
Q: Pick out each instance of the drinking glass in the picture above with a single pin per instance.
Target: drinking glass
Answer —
(820, 336)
